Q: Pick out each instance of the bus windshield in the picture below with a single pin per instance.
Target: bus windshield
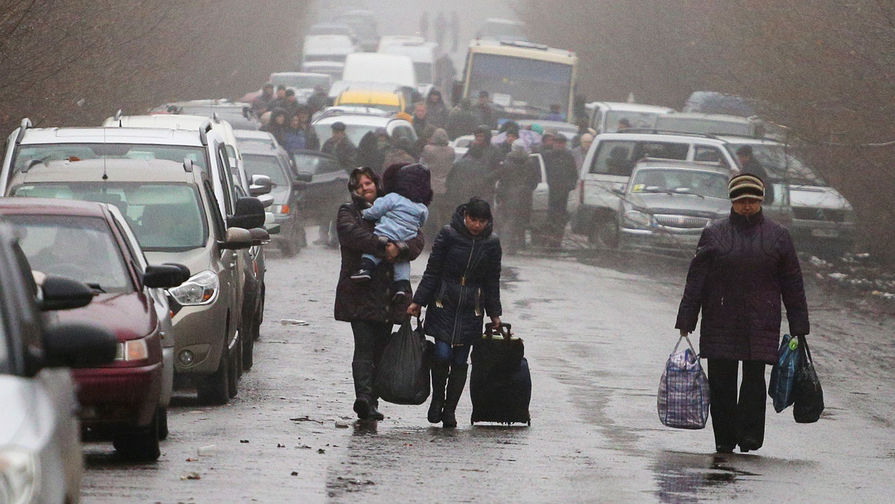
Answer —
(521, 82)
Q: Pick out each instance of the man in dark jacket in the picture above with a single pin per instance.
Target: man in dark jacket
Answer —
(461, 283)
(368, 307)
(744, 265)
(751, 166)
(562, 175)
(261, 103)
(340, 146)
(476, 173)
(319, 100)
(462, 120)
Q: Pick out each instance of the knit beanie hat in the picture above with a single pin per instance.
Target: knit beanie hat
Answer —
(745, 186)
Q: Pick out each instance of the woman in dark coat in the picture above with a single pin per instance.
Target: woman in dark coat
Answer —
(368, 307)
(460, 285)
(743, 266)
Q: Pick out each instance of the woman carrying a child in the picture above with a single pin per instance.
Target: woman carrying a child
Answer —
(370, 306)
(461, 283)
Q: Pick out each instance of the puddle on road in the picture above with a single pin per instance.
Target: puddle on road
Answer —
(691, 477)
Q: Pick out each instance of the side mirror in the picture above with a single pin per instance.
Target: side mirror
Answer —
(260, 236)
(303, 177)
(78, 345)
(249, 214)
(60, 293)
(261, 184)
(266, 200)
(236, 239)
(165, 276)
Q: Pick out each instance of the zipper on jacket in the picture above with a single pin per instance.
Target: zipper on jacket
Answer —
(460, 303)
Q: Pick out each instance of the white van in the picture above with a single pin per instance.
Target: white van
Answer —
(424, 56)
(326, 48)
(376, 67)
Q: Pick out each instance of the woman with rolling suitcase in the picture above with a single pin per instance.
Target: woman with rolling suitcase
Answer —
(461, 283)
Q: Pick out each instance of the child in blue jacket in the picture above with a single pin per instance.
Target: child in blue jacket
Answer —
(399, 216)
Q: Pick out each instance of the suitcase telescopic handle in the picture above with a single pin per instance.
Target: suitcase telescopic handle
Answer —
(505, 330)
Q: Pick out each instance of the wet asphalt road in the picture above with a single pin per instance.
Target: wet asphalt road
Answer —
(596, 335)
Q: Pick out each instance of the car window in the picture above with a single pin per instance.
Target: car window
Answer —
(219, 225)
(73, 152)
(661, 180)
(223, 172)
(266, 165)
(616, 120)
(315, 164)
(708, 154)
(78, 247)
(618, 157)
(164, 217)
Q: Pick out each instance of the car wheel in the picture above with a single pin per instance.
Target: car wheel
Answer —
(214, 388)
(141, 446)
(163, 423)
(235, 364)
(607, 235)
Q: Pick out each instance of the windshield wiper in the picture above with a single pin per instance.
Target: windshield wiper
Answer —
(97, 287)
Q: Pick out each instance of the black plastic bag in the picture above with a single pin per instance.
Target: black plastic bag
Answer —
(402, 376)
(807, 393)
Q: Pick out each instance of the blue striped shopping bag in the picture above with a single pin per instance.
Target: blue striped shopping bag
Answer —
(683, 399)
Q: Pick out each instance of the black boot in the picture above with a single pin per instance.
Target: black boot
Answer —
(456, 382)
(365, 273)
(401, 288)
(439, 379)
(363, 388)
(374, 410)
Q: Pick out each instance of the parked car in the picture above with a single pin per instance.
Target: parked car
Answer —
(666, 204)
(250, 137)
(822, 220)
(363, 22)
(378, 67)
(334, 48)
(390, 102)
(173, 211)
(333, 29)
(274, 162)
(356, 126)
(238, 114)
(123, 400)
(40, 447)
(332, 68)
(605, 117)
(709, 124)
(713, 102)
(611, 158)
(320, 185)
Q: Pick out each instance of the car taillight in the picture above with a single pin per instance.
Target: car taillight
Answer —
(284, 209)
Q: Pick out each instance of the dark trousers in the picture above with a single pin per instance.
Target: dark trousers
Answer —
(737, 421)
(557, 216)
(369, 342)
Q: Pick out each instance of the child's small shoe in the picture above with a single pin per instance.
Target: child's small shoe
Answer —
(365, 273)
(402, 291)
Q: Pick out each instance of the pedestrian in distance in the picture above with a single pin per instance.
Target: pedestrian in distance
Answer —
(562, 175)
(319, 100)
(424, 129)
(439, 157)
(369, 307)
(261, 103)
(340, 146)
(277, 125)
(437, 113)
(484, 110)
(460, 286)
(401, 151)
(462, 119)
(293, 136)
(519, 177)
(744, 265)
(399, 216)
(280, 100)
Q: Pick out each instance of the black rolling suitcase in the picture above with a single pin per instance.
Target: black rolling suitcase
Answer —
(500, 382)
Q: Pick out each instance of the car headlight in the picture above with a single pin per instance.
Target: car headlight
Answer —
(132, 350)
(637, 220)
(201, 288)
(19, 475)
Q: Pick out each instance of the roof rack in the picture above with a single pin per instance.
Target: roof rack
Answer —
(188, 165)
(117, 117)
(716, 164)
(26, 123)
(653, 131)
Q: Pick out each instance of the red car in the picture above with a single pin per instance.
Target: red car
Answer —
(81, 240)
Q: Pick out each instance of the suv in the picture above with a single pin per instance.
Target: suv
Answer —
(174, 213)
(605, 116)
(611, 158)
(40, 447)
(710, 124)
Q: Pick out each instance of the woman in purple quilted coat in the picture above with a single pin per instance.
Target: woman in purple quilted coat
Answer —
(744, 266)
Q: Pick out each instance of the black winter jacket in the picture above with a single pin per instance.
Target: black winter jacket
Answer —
(741, 270)
(461, 282)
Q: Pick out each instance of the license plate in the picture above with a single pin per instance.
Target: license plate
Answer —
(824, 233)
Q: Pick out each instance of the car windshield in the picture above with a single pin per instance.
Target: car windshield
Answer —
(299, 81)
(668, 122)
(664, 180)
(73, 152)
(781, 165)
(636, 120)
(78, 247)
(356, 132)
(165, 217)
(520, 82)
(315, 164)
(423, 72)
